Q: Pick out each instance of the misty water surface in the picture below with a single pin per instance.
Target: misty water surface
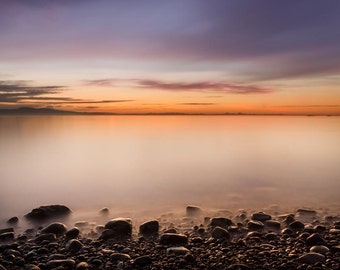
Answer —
(148, 162)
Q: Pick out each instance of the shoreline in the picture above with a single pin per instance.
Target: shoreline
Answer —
(192, 238)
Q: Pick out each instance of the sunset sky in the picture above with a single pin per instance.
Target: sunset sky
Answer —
(178, 56)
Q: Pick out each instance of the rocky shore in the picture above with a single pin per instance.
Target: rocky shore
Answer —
(301, 239)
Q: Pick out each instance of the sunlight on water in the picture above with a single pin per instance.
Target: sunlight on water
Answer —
(149, 162)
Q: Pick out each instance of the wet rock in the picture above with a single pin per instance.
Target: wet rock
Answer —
(142, 261)
(220, 222)
(67, 264)
(44, 213)
(296, 225)
(7, 236)
(31, 267)
(120, 257)
(239, 266)
(173, 239)
(319, 249)
(272, 224)
(74, 245)
(149, 228)
(315, 239)
(6, 230)
(56, 227)
(177, 251)
(220, 233)
(13, 221)
(49, 237)
(255, 225)
(83, 266)
(171, 230)
(192, 211)
(121, 227)
(72, 233)
(306, 212)
(260, 216)
(312, 258)
(107, 234)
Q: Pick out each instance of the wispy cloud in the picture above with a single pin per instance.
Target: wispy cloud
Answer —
(23, 92)
(198, 103)
(210, 87)
(201, 86)
(100, 82)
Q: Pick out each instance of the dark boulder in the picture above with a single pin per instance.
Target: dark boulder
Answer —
(56, 228)
(221, 222)
(44, 213)
(13, 221)
(149, 228)
(121, 227)
(173, 239)
(260, 216)
(192, 211)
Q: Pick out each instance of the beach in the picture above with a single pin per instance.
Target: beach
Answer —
(191, 238)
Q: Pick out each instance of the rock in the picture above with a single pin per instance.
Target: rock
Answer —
(272, 224)
(72, 233)
(67, 264)
(7, 236)
(44, 213)
(49, 237)
(104, 211)
(56, 227)
(260, 216)
(31, 267)
(120, 257)
(312, 258)
(6, 230)
(177, 251)
(315, 239)
(319, 249)
(149, 228)
(83, 266)
(220, 233)
(121, 227)
(193, 211)
(296, 226)
(306, 212)
(173, 239)
(13, 221)
(107, 234)
(74, 245)
(142, 261)
(239, 266)
(220, 222)
(255, 225)
(171, 230)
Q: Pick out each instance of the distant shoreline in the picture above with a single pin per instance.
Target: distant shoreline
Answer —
(48, 111)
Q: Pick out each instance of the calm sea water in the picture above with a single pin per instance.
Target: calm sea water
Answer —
(149, 162)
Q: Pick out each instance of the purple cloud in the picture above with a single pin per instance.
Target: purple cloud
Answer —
(22, 92)
(210, 87)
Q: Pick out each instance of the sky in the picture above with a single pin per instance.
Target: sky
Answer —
(151, 56)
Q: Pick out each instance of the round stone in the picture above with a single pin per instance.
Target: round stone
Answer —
(319, 249)
(121, 227)
(220, 233)
(56, 228)
(312, 258)
(74, 245)
(260, 216)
